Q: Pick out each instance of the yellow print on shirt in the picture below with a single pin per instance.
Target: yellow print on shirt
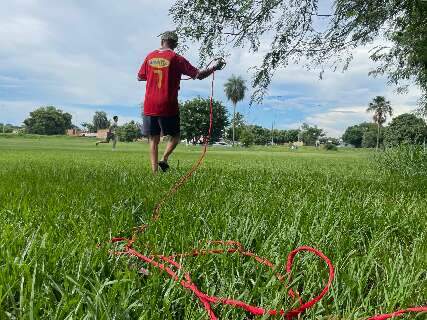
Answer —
(159, 63)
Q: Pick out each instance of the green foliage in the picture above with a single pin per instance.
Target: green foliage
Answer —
(262, 136)
(354, 135)
(285, 136)
(48, 121)
(235, 89)
(88, 126)
(407, 58)
(247, 137)
(422, 108)
(405, 160)
(60, 197)
(362, 135)
(100, 120)
(405, 128)
(330, 146)
(381, 109)
(240, 125)
(129, 132)
(320, 36)
(292, 135)
(370, 137)
(6, 128)
(309, 135)
(195, 120)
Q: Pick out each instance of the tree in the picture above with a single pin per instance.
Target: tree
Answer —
(370, 136)
(195, 120)
(235, 91)
(309, 135)
(262, 136)
(301, 32)
(292, 135)
(279, 136)
(129, 132)
(239, 126)
(405, 128)
(255, 134)
(48, 121)
(6, 128)
(88, 126)
(381, 109)
(422, 112)
(361, 135)
(353, 135)
(100, 120)
(247, 137)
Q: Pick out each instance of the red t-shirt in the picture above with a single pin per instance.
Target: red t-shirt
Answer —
(162, 69)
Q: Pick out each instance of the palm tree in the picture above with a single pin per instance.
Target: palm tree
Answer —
(235, 91)
(381, 109)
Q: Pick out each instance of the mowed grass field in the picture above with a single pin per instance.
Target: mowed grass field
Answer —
(61, 196)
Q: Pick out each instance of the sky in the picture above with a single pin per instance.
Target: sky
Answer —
(82, 56)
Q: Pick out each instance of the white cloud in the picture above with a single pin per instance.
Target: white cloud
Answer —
(22, 32)
(76, 53)
(336, 120)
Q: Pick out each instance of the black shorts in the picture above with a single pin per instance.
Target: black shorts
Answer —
(110, 136)
(156, 125)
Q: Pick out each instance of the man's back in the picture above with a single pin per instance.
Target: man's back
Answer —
(162, 69)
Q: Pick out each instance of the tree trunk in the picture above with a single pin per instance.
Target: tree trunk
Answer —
(378, 136)
(234, 121)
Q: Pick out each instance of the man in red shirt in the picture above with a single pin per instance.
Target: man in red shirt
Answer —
(162, 69)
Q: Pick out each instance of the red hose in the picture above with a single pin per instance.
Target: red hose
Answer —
(206, 300)
(168, 263)
(399, 313)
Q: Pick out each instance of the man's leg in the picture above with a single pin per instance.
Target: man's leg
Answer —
(114, 142)
(154, 152)
(103, 141)
(170, 147)
(151, 129)
(171, 127)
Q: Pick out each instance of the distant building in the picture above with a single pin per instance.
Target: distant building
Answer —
(298, 144)
(18, 130)
(74, 132)
(102, 133)
(88, 134)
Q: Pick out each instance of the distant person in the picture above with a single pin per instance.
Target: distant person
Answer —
(162, 69)
(111, 133)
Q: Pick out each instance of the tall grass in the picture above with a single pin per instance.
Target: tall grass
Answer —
(59, 197)
(405, 160)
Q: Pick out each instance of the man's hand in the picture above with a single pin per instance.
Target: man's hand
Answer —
(220, 64)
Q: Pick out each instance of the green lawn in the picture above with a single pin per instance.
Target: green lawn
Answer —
(61, 196)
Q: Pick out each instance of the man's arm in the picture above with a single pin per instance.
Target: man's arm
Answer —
(203, 74)
(207, 72)
(188, 70)
(142, 74)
